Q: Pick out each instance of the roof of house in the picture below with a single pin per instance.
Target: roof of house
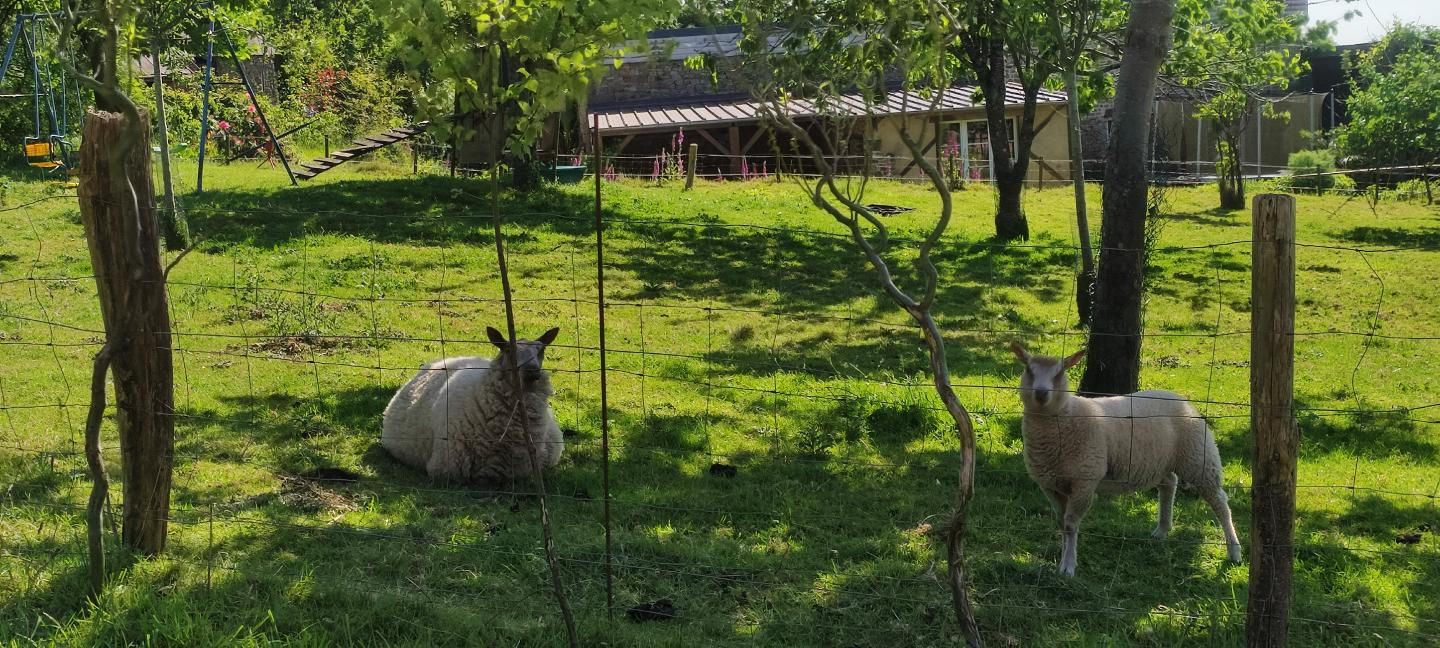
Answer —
(624, 119)
(680, 44)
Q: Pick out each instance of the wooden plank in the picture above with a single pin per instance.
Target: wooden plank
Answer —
(623, 143)
(735, 150)
(753, 138)
(714, 142)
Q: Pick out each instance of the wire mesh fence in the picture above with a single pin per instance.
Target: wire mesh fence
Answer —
(779, 465)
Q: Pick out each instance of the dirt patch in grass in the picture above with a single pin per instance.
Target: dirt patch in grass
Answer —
(295, 346)
(311, 497)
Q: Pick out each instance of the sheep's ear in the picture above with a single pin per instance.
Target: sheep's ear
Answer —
(549, 336)
(1074, 359)
(1020, 353)
(496, 338)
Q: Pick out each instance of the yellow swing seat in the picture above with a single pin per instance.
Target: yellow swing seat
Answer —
(42, 154)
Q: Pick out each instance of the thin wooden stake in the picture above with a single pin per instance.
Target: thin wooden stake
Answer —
(547, 533)
(604, 377)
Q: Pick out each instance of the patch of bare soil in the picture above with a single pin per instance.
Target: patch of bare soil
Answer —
(295, 346)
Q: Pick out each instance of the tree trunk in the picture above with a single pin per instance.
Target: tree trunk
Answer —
(986, 55)
(177, 231)
(1085, 282)
(123, 237)
(1231, 175)
(1114, 358)
(1010, 223)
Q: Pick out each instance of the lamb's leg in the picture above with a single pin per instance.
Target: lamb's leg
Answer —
(1167, 507)
(1057, 503)
(1081, 495)
(1220, 504)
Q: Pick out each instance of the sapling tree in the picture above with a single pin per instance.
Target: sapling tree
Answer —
(1395, 110)
(820, 52)
(524, 60)
(1081, 30)
(1234, 50)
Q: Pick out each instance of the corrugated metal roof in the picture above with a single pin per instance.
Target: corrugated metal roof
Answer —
(667, 118)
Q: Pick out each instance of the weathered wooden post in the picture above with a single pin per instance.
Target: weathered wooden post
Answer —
(123, 235)
(690, 165)
(1276, 438)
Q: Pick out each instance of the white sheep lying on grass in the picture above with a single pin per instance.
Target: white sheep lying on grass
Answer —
(458, 417)
(1077, 446)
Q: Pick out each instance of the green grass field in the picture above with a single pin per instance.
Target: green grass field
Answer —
(743, 331)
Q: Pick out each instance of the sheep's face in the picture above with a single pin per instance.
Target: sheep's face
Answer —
(527, 355)
(1044, 386)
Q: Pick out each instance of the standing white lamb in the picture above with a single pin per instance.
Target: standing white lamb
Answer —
(458, 418)
(1077, 446)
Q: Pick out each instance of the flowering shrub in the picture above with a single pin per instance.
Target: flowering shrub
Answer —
(951, 162)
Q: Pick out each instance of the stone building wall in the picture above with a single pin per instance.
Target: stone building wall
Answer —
(663, 80)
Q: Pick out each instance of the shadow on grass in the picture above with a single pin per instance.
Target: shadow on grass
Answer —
(1423, 238)
(794, 549)
(1389, 564)
(425, 209)
(1213, 217)
(1369, 431)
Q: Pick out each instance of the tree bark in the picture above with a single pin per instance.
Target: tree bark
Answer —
(1085, 282)
(1114, 358)
(1231, 176)
(123, 235)
(99, 479)
(985, 51)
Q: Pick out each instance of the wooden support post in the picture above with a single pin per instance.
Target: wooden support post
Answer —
(1276, 438)
(124, 239)
(690, 159)
(735, 150)
(779, 159)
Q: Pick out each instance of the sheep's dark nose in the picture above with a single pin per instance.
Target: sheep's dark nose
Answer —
(1042, 395)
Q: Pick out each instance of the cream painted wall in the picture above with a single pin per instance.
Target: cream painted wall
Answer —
(1050, 158)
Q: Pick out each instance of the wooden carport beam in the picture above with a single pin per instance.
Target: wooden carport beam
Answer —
(713, 142)
(759, 130)
(735, 151)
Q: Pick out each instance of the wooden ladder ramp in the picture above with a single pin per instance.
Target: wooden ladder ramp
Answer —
(358, 148)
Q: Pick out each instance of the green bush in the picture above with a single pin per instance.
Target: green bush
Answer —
(1311, 162)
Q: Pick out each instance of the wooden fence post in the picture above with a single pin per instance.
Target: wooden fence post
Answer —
(123, 235)
(1275, 436)
(691, 157)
